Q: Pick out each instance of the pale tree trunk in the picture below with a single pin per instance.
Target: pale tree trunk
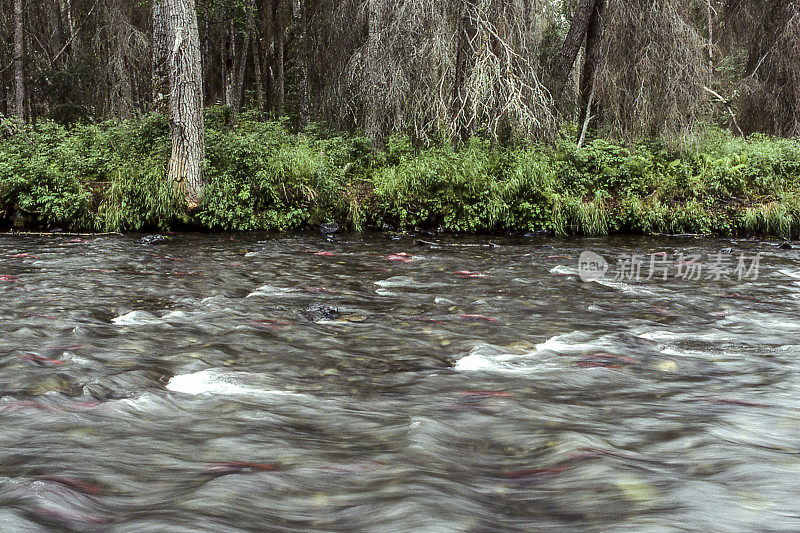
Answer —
(377, 21)
(565, 59)
(465, 63)
(19, 63)
(298, 11)
(229, 67)
(161, 48)
(185, 102)
(66, 13)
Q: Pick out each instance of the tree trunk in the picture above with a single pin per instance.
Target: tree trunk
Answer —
(594, 38)
(377, 20)
(185, 102)
(19, 63)
(565, 59)
(465, 62)
(298, 11)
(66, 14)
(241, 67)
(229, 67)
(280, 59)
(257, 51)
(161, 47)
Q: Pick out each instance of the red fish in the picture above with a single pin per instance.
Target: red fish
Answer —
(325, 254)
(468, 274)
(401, 257)
(41, 361)
(8, 277)
(478, 318)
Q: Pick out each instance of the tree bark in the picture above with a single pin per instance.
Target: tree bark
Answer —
(280, 58)
(185, 102)
(229, 67)
(241, 67)
(465, 62)
(377, 21)
(161, 46)
(257, 51)
(565, 59)
(594, 38)
(19, 63)
(298, 11)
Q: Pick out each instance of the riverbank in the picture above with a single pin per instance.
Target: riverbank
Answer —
(262, 176)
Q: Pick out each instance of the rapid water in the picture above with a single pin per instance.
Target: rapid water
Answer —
(190, 386)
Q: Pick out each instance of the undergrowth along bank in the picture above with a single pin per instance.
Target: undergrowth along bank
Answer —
(262, 176)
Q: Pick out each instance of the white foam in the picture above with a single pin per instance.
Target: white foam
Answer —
(271, 290)
(478, 360)
(134, 318)
(406, 282)
(213, 381)
(563, 271)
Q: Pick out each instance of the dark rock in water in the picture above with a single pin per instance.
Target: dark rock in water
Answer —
(786, 246)
(727, 251)
(330, 228)
(153, 239)
(322, 312)
(56, 230)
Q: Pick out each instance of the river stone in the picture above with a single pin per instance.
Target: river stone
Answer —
(330, 228)
(322, 312)
(153, 239)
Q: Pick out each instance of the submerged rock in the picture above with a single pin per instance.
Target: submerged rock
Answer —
(330, 228)
(153, 239)
(786, 246)
(322, 312)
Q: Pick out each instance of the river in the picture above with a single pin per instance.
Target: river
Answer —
(197, 384)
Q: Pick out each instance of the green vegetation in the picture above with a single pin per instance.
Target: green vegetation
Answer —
(262, 176)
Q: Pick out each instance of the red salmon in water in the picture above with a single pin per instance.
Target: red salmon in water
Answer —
(468, 274)
(41, 361)
(478, 318)
(401, 257)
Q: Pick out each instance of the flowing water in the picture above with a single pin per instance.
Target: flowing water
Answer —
(185, 386)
